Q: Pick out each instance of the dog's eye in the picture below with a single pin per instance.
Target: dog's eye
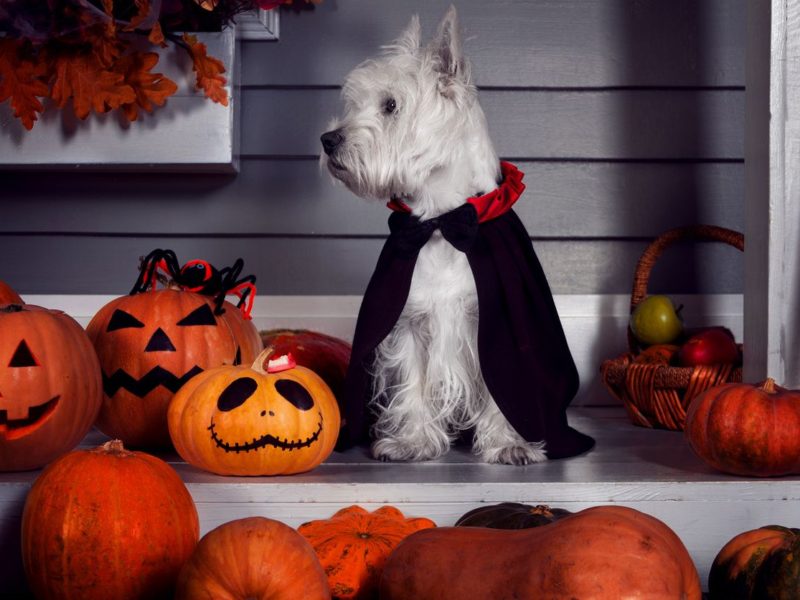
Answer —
(389, 106)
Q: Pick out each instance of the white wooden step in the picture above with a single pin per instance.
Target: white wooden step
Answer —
(652, 471)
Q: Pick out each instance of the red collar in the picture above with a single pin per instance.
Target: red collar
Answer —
(491, 205)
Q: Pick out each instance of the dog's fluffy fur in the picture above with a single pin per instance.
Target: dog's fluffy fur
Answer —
(413, 129)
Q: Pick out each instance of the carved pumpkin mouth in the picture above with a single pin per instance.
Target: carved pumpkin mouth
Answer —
(12, 429)
(266, 440)
(148, 382)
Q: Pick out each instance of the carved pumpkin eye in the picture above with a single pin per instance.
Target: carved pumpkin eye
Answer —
(122, 320)
(295, 393)
(236, 393)
(199, 316)
(23, 357)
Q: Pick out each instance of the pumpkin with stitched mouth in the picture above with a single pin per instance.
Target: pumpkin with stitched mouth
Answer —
(50, 386)
(274, 418)
(150, 344)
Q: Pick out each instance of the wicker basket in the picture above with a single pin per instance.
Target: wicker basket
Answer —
(657, 395)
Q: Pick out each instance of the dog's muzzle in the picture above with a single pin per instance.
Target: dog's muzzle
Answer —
(331, 140)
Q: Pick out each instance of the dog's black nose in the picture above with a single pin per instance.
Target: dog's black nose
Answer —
(331, 140)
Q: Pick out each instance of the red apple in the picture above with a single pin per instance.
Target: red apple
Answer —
(712, 346)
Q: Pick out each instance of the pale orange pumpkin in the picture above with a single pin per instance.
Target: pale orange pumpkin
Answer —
(603, 553)
(150, 344)
(107, 523)
(50, 386)
(354, 544)
(8, 295)
(253, 558)
(278, 420)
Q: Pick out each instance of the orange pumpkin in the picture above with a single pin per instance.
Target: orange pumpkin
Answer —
(253, 558)
(744, 429)
(8, 295)
(326, 355)
(50, 386)
(353, 546)
(255, 421)
(150, 344)
(248, 340)
(603, 553)
(107, 523)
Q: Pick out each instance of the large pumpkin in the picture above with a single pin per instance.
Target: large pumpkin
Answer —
(745, 429)
(107, 523)
(50, 386)
(326, 355)
(762, 563)
(511, 515)
(269, 419)
(602, 553)
(253, 558)
(150, 344)
(8, 295)
(353, 546)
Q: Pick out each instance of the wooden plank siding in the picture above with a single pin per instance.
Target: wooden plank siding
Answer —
(626, 117)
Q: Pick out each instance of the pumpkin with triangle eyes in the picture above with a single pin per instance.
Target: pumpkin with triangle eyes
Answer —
(248, 339)
(150, 344)
(50, 386)
(269, 419)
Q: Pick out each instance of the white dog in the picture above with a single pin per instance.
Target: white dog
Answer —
(413, 131)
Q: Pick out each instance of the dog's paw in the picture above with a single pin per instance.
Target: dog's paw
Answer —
(517, 454)
(392, 450)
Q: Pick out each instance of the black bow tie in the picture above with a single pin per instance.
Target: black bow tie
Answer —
(409, 234)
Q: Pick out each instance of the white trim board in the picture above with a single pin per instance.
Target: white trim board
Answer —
(595, 325)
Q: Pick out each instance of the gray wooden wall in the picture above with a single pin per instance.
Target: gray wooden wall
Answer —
(626, 115)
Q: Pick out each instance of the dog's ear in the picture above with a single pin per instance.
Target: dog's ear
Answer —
(408, 42)
(448, 57)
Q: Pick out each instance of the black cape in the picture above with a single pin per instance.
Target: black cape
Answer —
(523, 353)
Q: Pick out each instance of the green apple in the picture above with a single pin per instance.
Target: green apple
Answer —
(656, 321)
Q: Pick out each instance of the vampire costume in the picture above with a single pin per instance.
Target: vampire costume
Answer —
(523, 352)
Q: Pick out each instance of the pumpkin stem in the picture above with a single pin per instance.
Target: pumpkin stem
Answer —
(114, 447)
(11, 308)
(260, 364)
(768, 386)
(541, 509)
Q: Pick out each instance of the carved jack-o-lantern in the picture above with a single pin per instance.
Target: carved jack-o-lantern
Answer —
(277, 420)
(248, 340)
(50, 386)
(150, 344)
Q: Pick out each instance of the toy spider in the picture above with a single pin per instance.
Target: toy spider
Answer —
(198, 276)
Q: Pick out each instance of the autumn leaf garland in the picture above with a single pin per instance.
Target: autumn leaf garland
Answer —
(99, 67)
(21, 81)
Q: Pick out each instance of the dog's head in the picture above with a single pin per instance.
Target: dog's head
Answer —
(409, 113)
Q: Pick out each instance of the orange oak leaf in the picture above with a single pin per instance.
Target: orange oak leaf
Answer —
(209, 70)
(150, 88)
(107, 48)
(83, 78)
(156, 36)
(142, 14)
(111, 24)
(207, 4)
(22, 80)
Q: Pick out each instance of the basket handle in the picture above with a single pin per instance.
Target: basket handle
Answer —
(656, 248)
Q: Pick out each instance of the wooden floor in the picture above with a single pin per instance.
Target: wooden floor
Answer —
(653, 471)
